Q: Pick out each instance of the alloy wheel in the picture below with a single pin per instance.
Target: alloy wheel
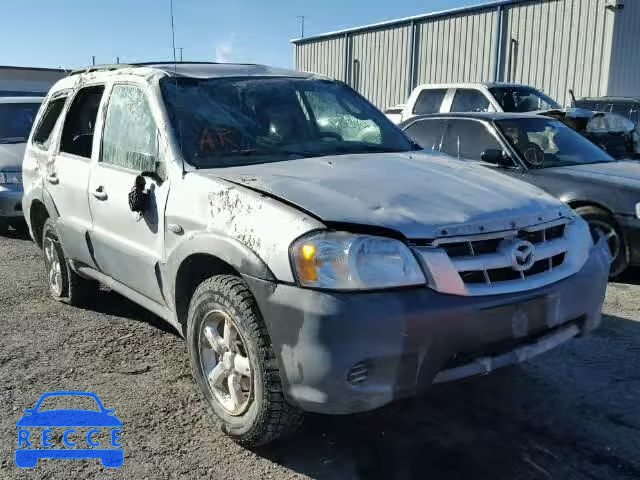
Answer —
(54, 266)
(225, 362)
(601, 229)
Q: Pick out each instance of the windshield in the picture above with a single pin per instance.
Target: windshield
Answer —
(522, 99)
(544, 142)
(16, 120)
(237, 121)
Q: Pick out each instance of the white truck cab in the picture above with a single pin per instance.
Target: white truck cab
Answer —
(473, 97)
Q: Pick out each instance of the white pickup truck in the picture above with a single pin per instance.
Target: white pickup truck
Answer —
(471, 97)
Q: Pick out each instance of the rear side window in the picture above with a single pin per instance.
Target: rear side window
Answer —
(469, 100)
(129, 137)
(467, 139)
(42, 135)
(80, 122)
(427, 133)
(429, 101)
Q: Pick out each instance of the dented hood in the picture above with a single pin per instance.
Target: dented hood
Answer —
(415, 194)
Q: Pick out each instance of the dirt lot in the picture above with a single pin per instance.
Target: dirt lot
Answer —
(572, 414)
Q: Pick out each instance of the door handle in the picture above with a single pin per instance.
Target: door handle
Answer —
(100, 194)
(53, 179)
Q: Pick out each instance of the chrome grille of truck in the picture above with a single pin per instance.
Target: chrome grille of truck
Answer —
(486, 264)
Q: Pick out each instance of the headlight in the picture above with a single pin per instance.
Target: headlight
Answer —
(10, 178)
(344, 261)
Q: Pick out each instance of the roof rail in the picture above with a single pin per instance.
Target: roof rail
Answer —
(115, 66)
(100, 68)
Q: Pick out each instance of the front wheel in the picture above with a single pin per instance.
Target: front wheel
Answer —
(602, 224)
(234, 364)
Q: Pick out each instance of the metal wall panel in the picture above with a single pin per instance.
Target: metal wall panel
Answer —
(553, 45)
(326, 57)
(456, 49)
(624, 76)
(556, 45)
(380, 64)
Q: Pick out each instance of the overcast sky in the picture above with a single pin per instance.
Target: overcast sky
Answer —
(67, 33)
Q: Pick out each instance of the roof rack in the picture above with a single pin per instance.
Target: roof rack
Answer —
(115, 66)
(100, 68)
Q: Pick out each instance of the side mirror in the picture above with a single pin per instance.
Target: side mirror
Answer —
(139, 196)
(497, 157)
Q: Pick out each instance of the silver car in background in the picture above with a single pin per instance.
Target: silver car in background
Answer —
(16, 118)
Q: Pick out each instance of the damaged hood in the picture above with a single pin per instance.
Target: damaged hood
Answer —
(418, 195)
(11, 156)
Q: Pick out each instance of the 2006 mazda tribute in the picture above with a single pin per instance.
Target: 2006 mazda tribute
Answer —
(311, 256)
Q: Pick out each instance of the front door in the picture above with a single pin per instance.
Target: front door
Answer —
(67, 177)
(128, 246)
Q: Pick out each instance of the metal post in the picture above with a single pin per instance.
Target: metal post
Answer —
(412, 59)
(117, 60)
(347, 59)
(93, 59)
(497, 43)
(301, 18)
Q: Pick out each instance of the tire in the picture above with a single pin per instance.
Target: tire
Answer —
(224, 313)
(65, 285)
(602, 222)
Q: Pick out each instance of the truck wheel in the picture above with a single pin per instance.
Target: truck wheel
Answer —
(234, 364)
(65, 285)
(602, 223)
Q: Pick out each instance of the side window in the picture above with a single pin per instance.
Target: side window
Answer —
(129, 139)
(427, 133)
(429, 101)
(469, 100)
(334, 116)
(80, 122)
(467, 139)
(42, 135)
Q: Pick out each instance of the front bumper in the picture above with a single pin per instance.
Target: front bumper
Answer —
(11, 202)
(630, 226)
(343, 353)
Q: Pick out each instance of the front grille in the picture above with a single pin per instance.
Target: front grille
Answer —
(507, 261)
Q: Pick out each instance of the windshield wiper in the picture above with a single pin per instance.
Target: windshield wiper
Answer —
(256, 151)
(6, 141)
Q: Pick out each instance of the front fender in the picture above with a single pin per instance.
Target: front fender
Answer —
(241, 258)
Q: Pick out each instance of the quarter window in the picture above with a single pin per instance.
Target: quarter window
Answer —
(42, 135)
(467, 139)
(429, 101)
(80, 122)
(469, 100)
(130, 134)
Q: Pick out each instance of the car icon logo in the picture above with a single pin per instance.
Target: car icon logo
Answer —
(97, 430)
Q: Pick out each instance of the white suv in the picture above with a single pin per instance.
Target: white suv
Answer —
(310, 267)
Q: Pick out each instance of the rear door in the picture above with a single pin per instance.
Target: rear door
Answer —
(67, 177)
(128, 245)
(470, 100)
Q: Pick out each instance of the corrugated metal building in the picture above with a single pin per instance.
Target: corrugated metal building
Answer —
(27, 81)
(589, 45)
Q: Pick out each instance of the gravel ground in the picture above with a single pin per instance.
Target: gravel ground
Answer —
(572, 414)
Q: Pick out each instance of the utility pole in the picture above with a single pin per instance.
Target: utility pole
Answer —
(301, 20)
(93, 59)
(180, 48)
(117, 60)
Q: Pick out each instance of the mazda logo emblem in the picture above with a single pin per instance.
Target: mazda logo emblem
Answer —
(522, 255)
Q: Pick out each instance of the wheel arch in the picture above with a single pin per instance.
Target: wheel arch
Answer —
(40, 206)
(201, 257)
